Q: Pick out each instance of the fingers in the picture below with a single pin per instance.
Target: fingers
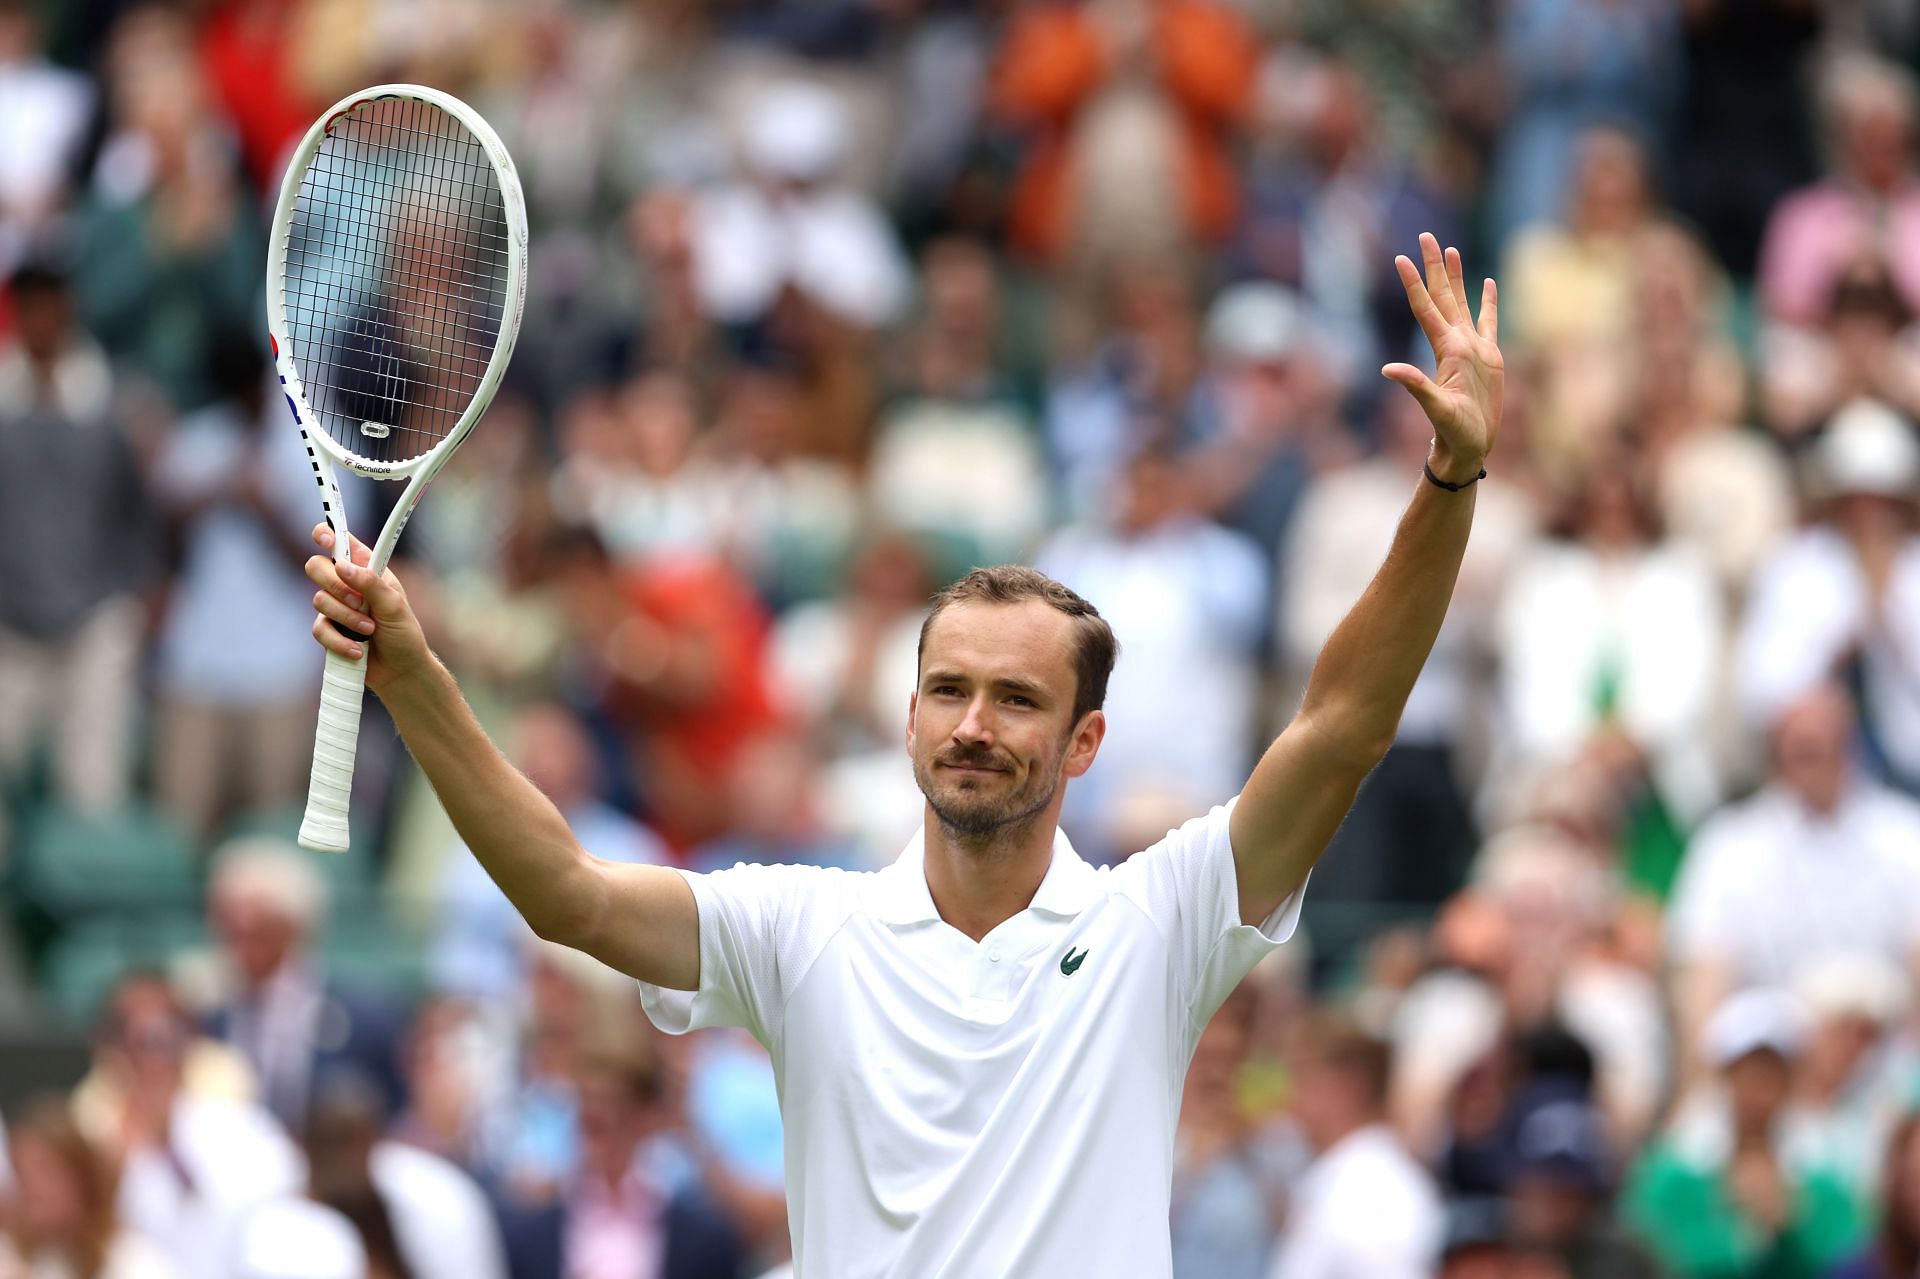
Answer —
(325, 574)
(1437, 282)
(1490, 311)
(323, 538)
(1431, 322)
(335, 642)
(382, 592)
(1457, 281)
(1419, 384)
(352, 618)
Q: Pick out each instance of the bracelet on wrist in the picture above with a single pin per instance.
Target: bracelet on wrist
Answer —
(1437, 482)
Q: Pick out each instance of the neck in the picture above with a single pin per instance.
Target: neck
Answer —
(979, 882)
(1335, 1133)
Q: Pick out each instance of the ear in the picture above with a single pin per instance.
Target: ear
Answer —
(913, 711)
(1085, 743)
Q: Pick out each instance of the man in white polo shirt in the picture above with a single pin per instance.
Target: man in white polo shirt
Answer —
(980, 1048)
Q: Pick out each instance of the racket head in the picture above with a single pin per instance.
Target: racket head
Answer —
(396, 277)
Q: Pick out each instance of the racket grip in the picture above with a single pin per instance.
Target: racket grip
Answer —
(335, 743)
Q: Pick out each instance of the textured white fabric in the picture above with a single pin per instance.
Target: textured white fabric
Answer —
(441, 1218)
(956, 1108)
(1365, 1210)
(1769, 886)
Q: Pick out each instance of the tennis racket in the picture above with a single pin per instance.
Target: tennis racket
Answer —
(396, 274)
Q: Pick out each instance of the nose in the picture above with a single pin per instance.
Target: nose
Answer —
(975, 727)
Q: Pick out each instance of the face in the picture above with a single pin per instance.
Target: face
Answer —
(990, 728)
(1909, 1182)
(255, 934)
(1810, 748)
(611, 1124)
(1758, 1085)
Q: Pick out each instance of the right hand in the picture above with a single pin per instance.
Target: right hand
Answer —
(374, 608)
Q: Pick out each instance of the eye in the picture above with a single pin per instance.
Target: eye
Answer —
(1019, 700)
(944, 690)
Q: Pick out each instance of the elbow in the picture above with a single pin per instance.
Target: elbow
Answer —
(571, 914)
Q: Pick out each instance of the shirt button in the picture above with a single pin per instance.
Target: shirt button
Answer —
(993, 954)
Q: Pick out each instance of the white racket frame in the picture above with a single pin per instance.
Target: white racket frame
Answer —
(336, 739)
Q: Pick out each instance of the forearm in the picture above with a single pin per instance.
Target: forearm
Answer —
(514, 831)
(1368, 666)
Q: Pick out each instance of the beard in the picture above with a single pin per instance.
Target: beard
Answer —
(973, 812)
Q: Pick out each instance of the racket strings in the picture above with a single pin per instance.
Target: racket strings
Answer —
(396, 281)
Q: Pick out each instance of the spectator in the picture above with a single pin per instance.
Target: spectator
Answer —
(1868, 204)
(267, 905)
(1558, 1186)
(168, 255)
(74, 549)
(792, 225)
(1570, 64)
(1894, 1249)
(1840, 598)
(1364, 1205)
(44, 114)
(620, 1217)
(236, 737)
(1819, 862)
(418, 1216)
(1186, 599)
(1225, 1196)
(1128, 111)
(1720, 1199)
(1856, 1081)
(481, 943)
(1615, 631)
(62, 1219)
(191, 1168)
(1324, 217)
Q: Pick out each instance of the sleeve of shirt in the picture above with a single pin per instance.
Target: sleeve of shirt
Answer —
(759, 929)
(1700, 915)
(1188, 885)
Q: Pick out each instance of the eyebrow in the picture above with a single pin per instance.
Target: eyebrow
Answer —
(1012, 683)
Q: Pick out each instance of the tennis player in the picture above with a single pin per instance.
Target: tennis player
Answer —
(980, 1048)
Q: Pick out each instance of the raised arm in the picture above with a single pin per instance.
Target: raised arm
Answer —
(638, 919)
(1304, 785)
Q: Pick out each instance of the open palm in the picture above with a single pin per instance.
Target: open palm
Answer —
(1462, 398)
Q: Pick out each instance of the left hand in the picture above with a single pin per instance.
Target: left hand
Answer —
(1462, 399)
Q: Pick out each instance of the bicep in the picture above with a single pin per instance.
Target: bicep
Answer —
(1297, 797)
(647, 925)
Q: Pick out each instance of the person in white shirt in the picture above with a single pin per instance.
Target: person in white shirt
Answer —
(1820, 862)
(1365, 1208)
(980, 1048)
(1840, 598)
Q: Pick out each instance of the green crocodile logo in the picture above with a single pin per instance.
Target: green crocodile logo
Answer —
(1070, 962)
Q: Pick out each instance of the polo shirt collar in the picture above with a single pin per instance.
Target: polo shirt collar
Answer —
(903, 898)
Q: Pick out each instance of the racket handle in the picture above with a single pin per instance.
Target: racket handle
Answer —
(335, 743)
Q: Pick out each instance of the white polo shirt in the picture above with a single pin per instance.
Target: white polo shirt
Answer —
(957, 1109)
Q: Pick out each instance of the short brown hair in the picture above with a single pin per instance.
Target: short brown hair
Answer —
(1095, 650)
(1340, 1044)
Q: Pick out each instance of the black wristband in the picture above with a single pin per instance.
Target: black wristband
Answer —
(1451, 488)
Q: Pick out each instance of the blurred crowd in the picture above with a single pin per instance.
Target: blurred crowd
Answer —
(1610, 972)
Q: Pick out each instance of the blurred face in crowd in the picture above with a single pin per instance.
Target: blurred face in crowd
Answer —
(148, 1035)
(1331, 1099)
(616, 1114)
(43, 316)
(1610, 184)
(552, 749)
(1810, 748)
(1758, 1085)
(255, 932)
(1876, 133)
(990, 729)
(1903, 1172)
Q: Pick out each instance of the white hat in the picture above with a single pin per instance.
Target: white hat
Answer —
(1257, 322)
(795, 130)
(1868, 448)
(1852, 984)
(1755, 1019)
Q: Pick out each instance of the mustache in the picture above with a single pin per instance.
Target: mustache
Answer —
(973, 759)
